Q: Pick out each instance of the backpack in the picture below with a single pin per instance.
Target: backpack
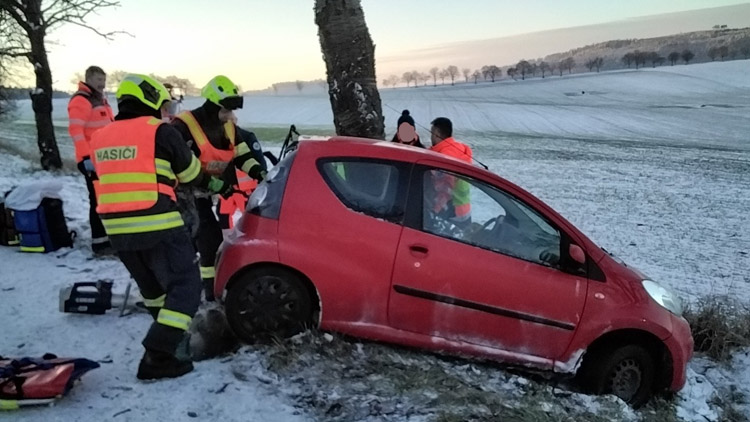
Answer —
(43, 229)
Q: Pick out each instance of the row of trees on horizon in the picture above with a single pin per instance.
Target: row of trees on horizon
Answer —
(532, 68)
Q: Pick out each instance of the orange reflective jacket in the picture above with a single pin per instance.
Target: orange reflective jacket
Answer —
(213, 160)
(123, 155)
(87, 113)
(459, 190)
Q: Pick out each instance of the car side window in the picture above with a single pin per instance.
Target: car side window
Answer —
(473, 212)
(374, 188)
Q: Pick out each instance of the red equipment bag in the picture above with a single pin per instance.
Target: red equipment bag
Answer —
(31, 381)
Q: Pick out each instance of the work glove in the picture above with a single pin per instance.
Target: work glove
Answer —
(220, 186)
(88, 165)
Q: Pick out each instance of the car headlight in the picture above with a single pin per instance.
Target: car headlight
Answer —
(663, 296)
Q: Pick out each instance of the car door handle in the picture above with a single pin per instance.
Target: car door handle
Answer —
(418, 251)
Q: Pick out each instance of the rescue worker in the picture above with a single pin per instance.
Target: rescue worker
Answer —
(226, 207)
(213, 138)
(139, 160)
(453, 196)
(88, 111)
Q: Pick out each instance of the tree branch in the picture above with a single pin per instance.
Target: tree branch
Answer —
(106, 35)
(12, 8)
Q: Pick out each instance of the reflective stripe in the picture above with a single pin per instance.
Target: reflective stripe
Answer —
(99, 240)
(241, 149)
(190, 173)
(173, 319)
(155, 303)
(13, 242)
(146, 223)
(208, 272)
(195, 129)
(231, 131)
(133, 196)
(164, 168)
(219, 92)
(115, 178)
(97, 123)
(249, 164)
(79, 137)
(77, 122)
(9, 404)
(32, 248)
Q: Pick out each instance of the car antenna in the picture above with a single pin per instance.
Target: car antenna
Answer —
(430, 132)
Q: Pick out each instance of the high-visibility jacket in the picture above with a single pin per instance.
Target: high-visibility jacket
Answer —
(238, 200)
(131, 178)
(213, 160)
(459, 189)
(87, 112)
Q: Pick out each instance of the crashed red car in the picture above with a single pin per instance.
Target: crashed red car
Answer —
(345, 234)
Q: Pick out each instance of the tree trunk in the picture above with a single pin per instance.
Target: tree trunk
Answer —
(41, 97)
(350, 62)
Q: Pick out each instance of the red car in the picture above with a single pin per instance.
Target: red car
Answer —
(360, 237)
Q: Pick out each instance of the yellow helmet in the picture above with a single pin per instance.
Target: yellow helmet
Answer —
(145, 89)
(223, 92)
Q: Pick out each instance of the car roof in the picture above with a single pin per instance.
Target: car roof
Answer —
(365, 147)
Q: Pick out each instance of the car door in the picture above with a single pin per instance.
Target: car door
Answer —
(495, 280)
(341, 220)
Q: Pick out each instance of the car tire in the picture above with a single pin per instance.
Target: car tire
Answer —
(626, 371)
(267, 303)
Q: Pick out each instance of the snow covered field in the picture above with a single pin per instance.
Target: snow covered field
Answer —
(654, 165)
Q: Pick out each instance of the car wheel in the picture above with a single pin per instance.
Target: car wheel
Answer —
(627, 372)
(268, 302)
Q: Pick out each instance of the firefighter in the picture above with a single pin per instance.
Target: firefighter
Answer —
(88, 111)
(213, 138)
(139, 160)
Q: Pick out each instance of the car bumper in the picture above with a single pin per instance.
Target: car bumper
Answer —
(680, 346)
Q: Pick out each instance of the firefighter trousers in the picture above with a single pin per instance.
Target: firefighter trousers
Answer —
(168, 277)
(209, 239)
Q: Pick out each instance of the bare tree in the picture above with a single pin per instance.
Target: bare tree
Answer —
(687, 55)
(299, 84)
(391, 81)
(544, 68)
(443, 74)
(561, 67)
(512, 71)
(628, 59)
(524, 68)
(350, 63)
(673, 57)
(491, 72)
(25, 24)
(452, 72)
(406, 77)
(712, 53)
(570, 63)
(723, 52)
(424, 78)
(434, 72)
(466, 72)
(598, 62)
(476, 75)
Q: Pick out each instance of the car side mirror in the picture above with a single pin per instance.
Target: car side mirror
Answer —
(577, 254)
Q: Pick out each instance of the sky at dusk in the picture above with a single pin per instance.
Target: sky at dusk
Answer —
(257, 43)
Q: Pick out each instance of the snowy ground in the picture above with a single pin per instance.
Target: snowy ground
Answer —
(653, 165)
